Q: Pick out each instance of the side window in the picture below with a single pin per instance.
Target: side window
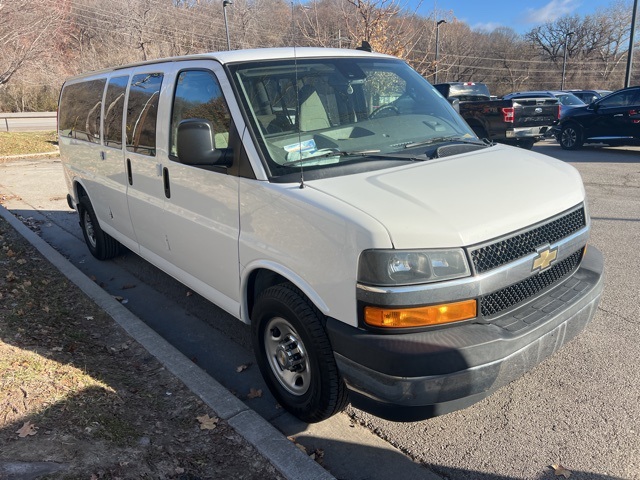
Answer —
(142, 113)
(113, 111)
(198, 95)
(80, 106)
(621, 99)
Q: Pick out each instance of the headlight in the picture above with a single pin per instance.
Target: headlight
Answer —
(411, 267)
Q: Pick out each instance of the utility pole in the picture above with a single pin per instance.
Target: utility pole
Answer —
(226, 25)
(627, 78)
(564, 61)
(438, 23)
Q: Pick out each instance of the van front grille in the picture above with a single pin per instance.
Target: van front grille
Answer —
(501, 300)
(507, 250)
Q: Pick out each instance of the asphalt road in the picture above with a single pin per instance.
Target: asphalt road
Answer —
(580, 408)
(28, 121)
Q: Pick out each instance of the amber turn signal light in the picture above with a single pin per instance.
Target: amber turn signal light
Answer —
(421, 316)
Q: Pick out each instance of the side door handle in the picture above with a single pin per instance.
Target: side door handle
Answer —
(129, 175)
(165, 181)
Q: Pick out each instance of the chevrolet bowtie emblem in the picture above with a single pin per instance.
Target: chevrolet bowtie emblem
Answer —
(546, 256)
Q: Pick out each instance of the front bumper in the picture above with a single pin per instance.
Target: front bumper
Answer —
(451, 368)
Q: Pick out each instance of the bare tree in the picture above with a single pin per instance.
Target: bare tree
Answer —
(27, 31)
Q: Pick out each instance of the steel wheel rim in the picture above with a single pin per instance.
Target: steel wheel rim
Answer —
(279, 334)
(569, 137)
(89, 230)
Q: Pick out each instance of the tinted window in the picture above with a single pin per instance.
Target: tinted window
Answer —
(198, 95)
(621, 99)
(142, 113)
(114, 110)
(80, 106)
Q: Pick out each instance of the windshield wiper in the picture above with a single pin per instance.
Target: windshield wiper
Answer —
(360, 153)
(450, 138)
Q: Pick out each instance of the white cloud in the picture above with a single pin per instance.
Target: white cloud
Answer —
(551, 11)
(486, 26)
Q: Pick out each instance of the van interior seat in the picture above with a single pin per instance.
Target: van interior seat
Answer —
(313, 115)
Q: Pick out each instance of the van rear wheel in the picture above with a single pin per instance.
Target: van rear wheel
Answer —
(294, 354)
(101, 245)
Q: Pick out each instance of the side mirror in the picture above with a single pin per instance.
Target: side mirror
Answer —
(594, 106)
(455, 103)
(196, 144)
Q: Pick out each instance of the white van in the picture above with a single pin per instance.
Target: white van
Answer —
(335, 201)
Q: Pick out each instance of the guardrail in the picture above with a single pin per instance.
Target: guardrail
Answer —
(28, 121)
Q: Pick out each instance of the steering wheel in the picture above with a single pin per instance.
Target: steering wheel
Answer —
(385, 111)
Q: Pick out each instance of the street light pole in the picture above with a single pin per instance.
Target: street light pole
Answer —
(627, 78)
(564, 61)
(438, 23)
(226, 24)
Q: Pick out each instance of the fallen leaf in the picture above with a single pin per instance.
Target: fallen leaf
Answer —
(179, 470)
(57, 349)
(243, 367)
(119, 298)
(560, 471)
(128, 286)
(253, 393)
(21, 261)
(189, 293)
(27, 429)
(207, 422)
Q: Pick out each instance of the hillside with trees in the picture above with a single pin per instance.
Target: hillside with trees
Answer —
(42, 42)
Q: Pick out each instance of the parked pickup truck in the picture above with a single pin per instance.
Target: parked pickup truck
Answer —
(520, 122)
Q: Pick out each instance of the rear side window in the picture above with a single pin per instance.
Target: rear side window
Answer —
(142, 113)
(80, 106)
(114, 111)
(198, 95)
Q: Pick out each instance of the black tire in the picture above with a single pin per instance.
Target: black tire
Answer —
(101, 245)
(294, 354)
(571, 137)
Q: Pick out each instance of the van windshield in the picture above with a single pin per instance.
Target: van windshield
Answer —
(328, 113)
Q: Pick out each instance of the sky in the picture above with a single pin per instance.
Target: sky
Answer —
(520, 15)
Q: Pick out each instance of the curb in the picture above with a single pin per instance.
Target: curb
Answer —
(288, 459)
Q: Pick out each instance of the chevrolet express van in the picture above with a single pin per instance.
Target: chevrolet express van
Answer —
(336, 202)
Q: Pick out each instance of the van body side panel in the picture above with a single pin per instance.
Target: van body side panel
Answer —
(117, 221)
(313, 236)
(145, 192)
(201, 217)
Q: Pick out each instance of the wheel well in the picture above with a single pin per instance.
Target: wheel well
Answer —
(476, 125)
(259, 281)
(81, 192)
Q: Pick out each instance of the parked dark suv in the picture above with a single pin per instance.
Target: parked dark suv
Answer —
(614, 120)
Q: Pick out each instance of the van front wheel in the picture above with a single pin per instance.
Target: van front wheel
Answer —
(101, 245)
(295, 356)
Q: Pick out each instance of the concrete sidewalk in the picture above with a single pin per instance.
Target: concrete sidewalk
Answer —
(283, 454)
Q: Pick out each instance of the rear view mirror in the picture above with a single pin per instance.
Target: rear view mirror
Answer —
(196, 144)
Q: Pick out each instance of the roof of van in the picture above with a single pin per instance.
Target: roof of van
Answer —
(233, 56)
